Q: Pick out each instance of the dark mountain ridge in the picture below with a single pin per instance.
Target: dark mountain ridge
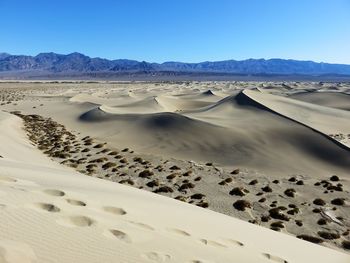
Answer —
(78, 63)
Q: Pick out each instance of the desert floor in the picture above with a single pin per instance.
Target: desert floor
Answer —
(273, 154)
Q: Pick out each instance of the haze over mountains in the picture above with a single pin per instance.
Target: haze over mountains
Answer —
(58, 64)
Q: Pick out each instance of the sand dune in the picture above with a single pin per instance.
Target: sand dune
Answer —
(45, 206)
(311, 115)
(207, 144)
(330, 99)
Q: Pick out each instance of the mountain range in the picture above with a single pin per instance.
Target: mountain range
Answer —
(77, 63)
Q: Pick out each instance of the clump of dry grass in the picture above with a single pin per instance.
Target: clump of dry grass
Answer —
(203, 204)
(239, 191)
(299, 222)
(186, 186)
(312, 239)
(197, 196)
(175, 167)
(127, 181)
(172, 176)
(328, 235)
(164, 189)
(319, 201)
(322, 221)
(99, 160)
(146, 174)
(276, 213)
(290, 192)
(108, 165)
(225, 181)
(338, 201)
(253, 182)
(181, 198)
(346, 244)
(153, 183)
(277, 224)
(267, 189)
(235, 171)
(334, 178)
(241, 205)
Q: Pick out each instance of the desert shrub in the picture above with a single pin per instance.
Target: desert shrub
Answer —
(277, 214)
(174, 167)
(235, 171)
(262, 200)
(312, 239)
(267, 189)
(241, 205)
(334, 178)
(322, 221)
(146, 174)
(203, 204)
(164, 189)
(153, 183)
(338, 201)
(289, 192)
(188, 173)
(346, 244)
(197, 196)
(239, 191)
(319, 201)
(172, 176)
(278, 224)
(253, 182)
(328, 235)
(108, 165)
(298, 222)
(186, 186)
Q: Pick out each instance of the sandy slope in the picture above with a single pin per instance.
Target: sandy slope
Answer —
(324, 119)
(337, 100)
(52, 214)
(256, 127)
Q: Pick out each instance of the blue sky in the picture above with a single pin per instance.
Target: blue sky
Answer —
(179, 30)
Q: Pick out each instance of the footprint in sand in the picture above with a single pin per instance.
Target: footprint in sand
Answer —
(212, 243)
(157, 256)
(235, 242)
(178, 231)
(75, 202)
(114, 210)
(54, 192)
(120, 235)
(274, 258)
(142, 225)
(77, 221)
(6, 179)
(48, 207)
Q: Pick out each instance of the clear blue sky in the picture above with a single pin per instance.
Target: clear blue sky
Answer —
(179, 30)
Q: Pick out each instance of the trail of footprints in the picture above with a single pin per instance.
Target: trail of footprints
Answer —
(86, 221)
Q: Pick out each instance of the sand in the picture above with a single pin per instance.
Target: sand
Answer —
(212, 145)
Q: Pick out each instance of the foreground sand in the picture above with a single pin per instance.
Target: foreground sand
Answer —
(208, 144)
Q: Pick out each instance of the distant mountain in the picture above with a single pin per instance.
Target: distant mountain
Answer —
(4, 55)
(52, 63)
